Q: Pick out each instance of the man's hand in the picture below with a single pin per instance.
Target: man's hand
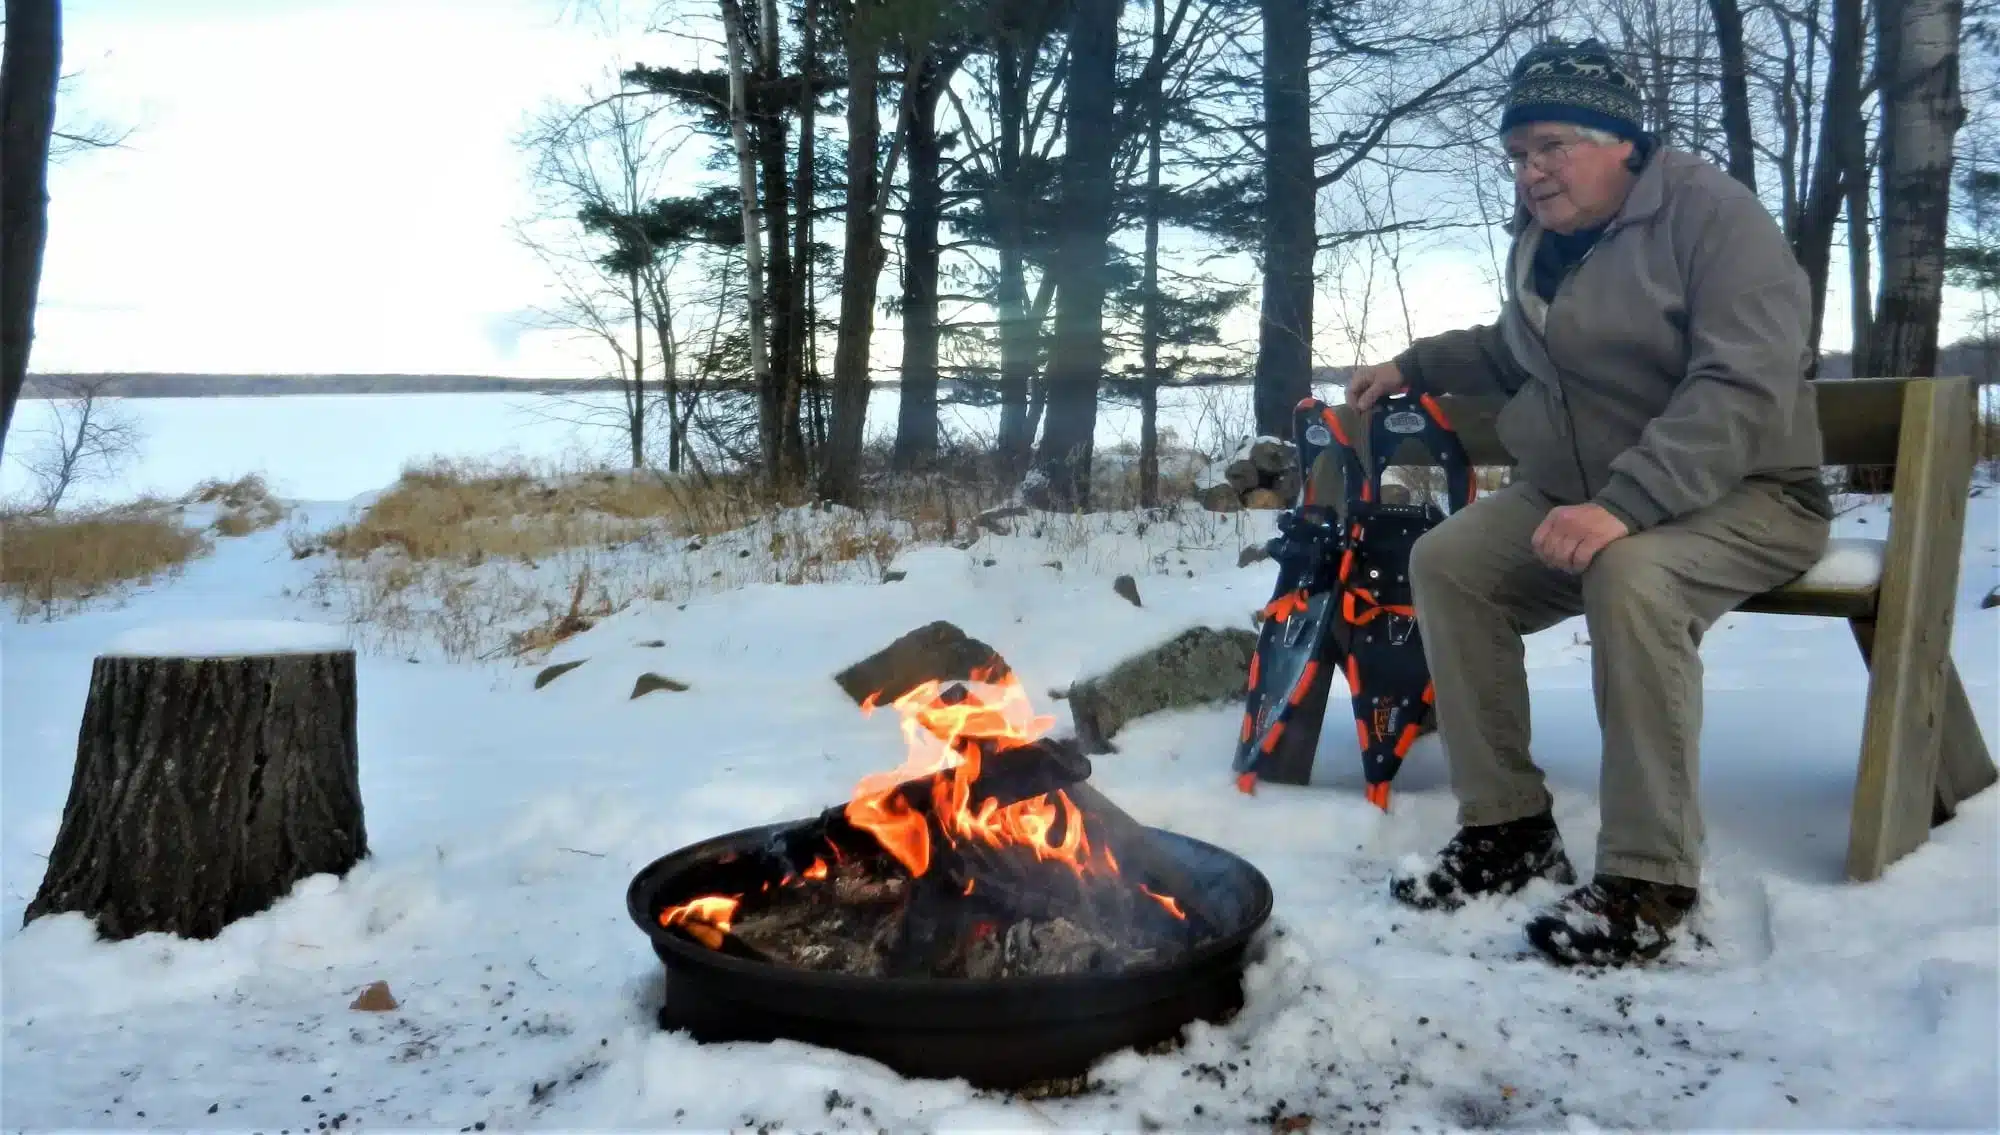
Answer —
(1369, 384)
(1570, 536)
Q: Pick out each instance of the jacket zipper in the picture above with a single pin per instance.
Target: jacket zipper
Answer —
(1562, 392)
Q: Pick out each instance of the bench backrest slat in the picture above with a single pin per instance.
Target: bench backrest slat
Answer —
(1860, 419)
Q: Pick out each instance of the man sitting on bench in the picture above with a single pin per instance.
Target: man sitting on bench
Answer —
(1653, 346)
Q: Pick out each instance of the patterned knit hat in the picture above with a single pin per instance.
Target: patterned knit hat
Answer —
(1577, 83)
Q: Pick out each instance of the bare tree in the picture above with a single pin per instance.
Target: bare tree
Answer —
(612, 248)
(29, 71)
(83, 135)
(89, 437)
(1735, 93)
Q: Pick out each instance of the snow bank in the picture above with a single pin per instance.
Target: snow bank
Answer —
(228, 638)
(506, 823)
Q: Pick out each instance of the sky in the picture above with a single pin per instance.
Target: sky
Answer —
(328, 186)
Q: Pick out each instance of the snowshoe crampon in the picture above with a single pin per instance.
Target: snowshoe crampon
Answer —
(1343, 601)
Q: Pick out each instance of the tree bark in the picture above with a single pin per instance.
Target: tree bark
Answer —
(1284, 331)
(1921, 114)
(1840, 132)
(1078, 361)
(29, 70)
(800, 363)
(753, 259)
(204, 789)
(1736, 130)
(782, 455)
(917, 411)
(861, 264)
(1860, 258)
(635, 409)
(1149, 309)
(1017, 335)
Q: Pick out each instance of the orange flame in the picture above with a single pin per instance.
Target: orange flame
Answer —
(942, 734)
(1171, 906)
(707, 918)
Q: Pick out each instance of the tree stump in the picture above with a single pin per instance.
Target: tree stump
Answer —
(215, 768)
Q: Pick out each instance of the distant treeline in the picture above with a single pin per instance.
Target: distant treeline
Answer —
(153, 385)
(1967, 358)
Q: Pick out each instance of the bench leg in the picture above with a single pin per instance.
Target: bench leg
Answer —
(1910, 671)
(1965, 766)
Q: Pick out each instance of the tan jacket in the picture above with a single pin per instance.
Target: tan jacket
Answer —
(1671, 364)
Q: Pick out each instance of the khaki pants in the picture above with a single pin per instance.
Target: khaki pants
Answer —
(1647, 598)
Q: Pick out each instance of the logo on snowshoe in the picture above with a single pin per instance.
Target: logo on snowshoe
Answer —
(1404, 422)
(1317, 434)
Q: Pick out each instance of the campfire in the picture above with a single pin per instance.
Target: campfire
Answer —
(985, 855)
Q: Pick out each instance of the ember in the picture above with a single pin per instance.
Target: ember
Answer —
(984, 855)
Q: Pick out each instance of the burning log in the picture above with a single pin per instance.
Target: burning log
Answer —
(1006, 777)
(1142, 861)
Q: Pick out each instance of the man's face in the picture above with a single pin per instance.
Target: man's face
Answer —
(1566, 181)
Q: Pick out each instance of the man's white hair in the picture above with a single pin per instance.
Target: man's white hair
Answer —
(1593, 134)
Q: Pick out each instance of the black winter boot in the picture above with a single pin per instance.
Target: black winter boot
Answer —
(1611, 921)
(1493, 859)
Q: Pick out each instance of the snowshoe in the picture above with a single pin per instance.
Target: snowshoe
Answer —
(1299, 640)
(1388, 677)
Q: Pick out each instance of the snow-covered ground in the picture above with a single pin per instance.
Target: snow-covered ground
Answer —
(505, 823)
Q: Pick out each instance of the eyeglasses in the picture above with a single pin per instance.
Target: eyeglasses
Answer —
(1549, 155)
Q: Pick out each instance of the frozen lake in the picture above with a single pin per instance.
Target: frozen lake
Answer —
(335, 447)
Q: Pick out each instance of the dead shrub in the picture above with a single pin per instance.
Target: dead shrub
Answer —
(243, 506)
(52, 563)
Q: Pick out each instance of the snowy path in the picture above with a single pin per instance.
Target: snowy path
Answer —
(506, 822)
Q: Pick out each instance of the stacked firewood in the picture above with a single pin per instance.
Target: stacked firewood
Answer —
(1264, 474)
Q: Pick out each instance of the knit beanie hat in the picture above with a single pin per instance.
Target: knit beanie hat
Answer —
(1577, 83)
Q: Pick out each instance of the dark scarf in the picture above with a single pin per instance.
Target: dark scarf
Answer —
(1556, 253)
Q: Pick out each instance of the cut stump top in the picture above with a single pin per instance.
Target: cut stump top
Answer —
(228, 638)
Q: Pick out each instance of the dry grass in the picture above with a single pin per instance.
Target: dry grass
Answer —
(470, 512)
(49, 564)
(243, 506)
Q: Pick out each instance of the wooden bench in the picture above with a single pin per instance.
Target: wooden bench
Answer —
(1922, 752)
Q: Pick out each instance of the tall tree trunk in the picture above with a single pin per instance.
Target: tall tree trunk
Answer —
(781, 397)
(1840, 130)
(753, 257)
(1078, 362)
(1736, 130)
(670, 376)
(1284, 333)
(861, 267)
(635, 406)
(917, 411)
(800, 347)
(1017, 336)
(28, 72)
(1860, 266)
(1918, 42)
(1149, 301)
